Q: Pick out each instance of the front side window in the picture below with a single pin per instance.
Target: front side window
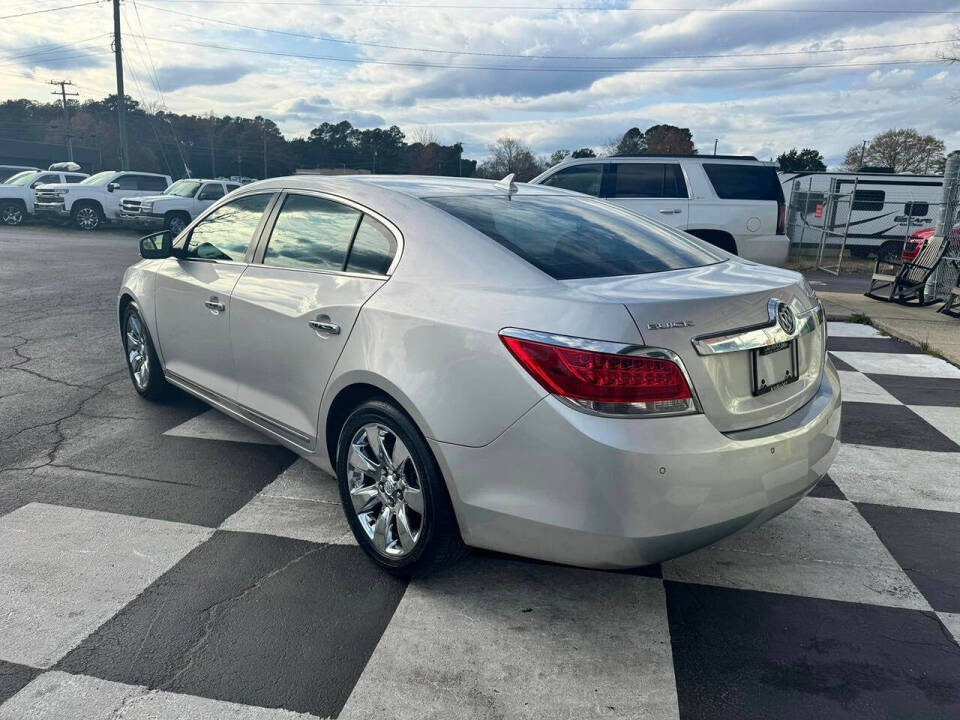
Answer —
(151, 182)
(373, 248)
(744, 182)
(578, 238)
(128, 182)
(869, 200)
(211, 191)
(75, 178)
(311, 233)
(649, 180)
(579, 178)
(225, 234)
(46, 178)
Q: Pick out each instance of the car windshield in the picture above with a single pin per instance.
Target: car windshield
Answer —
(570, 238)
(183, 188)
(23, 178)
(101, 178)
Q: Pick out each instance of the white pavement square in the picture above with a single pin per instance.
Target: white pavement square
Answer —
(819, 548)
(894, 476)
(495, 638)
(952, 622)
(214, 425)
(925, 366)
(857, 387)
(944, 419)
(60, 696)
(302, 503)
(64, 572)
(845, 329)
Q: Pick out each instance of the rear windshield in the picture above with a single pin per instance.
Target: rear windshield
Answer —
(569, 238)
(744, 182)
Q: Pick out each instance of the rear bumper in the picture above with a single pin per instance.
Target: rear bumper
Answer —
(564, 486)
(765, 249)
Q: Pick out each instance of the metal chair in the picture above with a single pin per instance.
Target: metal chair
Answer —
(907, 280)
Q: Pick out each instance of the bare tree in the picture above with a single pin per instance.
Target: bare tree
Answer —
(510, 155)
(902, 149)
(558, 156)
(424, 136)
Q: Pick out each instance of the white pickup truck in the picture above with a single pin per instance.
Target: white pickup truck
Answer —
(18, 193)
(176, 206)
(96, 200)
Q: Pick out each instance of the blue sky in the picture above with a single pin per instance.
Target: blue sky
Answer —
(389, 64)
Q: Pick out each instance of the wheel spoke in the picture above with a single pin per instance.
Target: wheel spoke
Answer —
(413, 497)
(361, 462)
(373, 441)
(400, 455)
(132, 340)
(364, 498)
(132, 358)
(382, 527)
(404, 533)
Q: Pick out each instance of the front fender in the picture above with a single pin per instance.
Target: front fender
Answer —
(139, 283)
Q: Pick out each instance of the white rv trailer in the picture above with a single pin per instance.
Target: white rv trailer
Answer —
(886, 207)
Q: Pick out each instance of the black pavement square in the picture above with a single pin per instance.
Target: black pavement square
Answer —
(944, 392)
(743, 654)
(840, 364)
(891, 426)
(926, 544)
(13, 677)
(858, 344)
(827, 488)
(253, 619)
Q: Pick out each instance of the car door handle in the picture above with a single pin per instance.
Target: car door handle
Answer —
(324, 324)
(215, 306)
(674, 211)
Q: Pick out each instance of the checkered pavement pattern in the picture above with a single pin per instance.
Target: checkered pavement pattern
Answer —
(215, 577)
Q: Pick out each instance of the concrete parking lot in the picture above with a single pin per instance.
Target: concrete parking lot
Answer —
(161, 561)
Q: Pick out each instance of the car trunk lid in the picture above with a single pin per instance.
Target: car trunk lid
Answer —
(714, 317)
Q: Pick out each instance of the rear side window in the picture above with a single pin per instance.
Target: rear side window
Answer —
(225, 234)
(868, 200)
(75, 178)
(579, 178)
(648, 180)
(744, 182)
(311, 233)
(373, 248)
(151, 182)
(578, 238)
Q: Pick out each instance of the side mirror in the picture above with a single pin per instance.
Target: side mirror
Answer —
(156, 246)
(112, 186)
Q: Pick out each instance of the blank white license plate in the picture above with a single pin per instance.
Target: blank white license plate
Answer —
(774, 366)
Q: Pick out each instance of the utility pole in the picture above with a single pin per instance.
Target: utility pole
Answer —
(213, 143)
(715, 141)
(66, 113)
(863, 149)
(264, 154)
(121, 97)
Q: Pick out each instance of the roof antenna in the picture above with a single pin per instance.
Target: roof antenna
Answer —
(507, 185)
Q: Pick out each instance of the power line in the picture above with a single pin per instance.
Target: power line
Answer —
(446, 66)
(51, 48)
(46, 10)
(578, 8)
(327, 38)
(57, 58)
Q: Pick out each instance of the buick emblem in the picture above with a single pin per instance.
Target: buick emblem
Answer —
(786, 319)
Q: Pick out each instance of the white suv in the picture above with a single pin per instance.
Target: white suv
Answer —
(18, 193)
(176, 206)
(733, 202)
(97, 199)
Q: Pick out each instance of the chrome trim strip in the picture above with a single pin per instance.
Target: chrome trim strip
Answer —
(242, 412)
(610, 348)
(759, 336)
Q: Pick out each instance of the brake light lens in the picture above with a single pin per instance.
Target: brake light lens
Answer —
(781, 218)
(603, 382)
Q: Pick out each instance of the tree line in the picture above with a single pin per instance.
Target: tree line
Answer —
(211, 145)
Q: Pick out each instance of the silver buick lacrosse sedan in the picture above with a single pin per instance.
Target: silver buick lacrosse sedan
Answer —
(496, 365)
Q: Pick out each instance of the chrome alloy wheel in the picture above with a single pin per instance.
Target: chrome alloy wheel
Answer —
(385, 490)
(11, 215)
(138, 356)
(176, 225)
(88, 218)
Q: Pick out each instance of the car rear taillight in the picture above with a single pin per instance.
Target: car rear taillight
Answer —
(650, 383)
(781, 218)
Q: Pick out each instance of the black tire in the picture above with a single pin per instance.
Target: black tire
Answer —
(175, 222)
(12, 213)
(156, 386)
(891, 249)
(86, 216)
(439, 544)
(861, 252)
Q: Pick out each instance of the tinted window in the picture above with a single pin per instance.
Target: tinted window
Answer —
(649, 180)
(868, 200)
(127, 182)
(916, 209)
(225, 234)
(578, 238)
(75, 178)
(744, 182)
(231, 186)
(150, 182)
(211, 191)
(312, 233)
(580, 178)
(46, 178)
(373, 248)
